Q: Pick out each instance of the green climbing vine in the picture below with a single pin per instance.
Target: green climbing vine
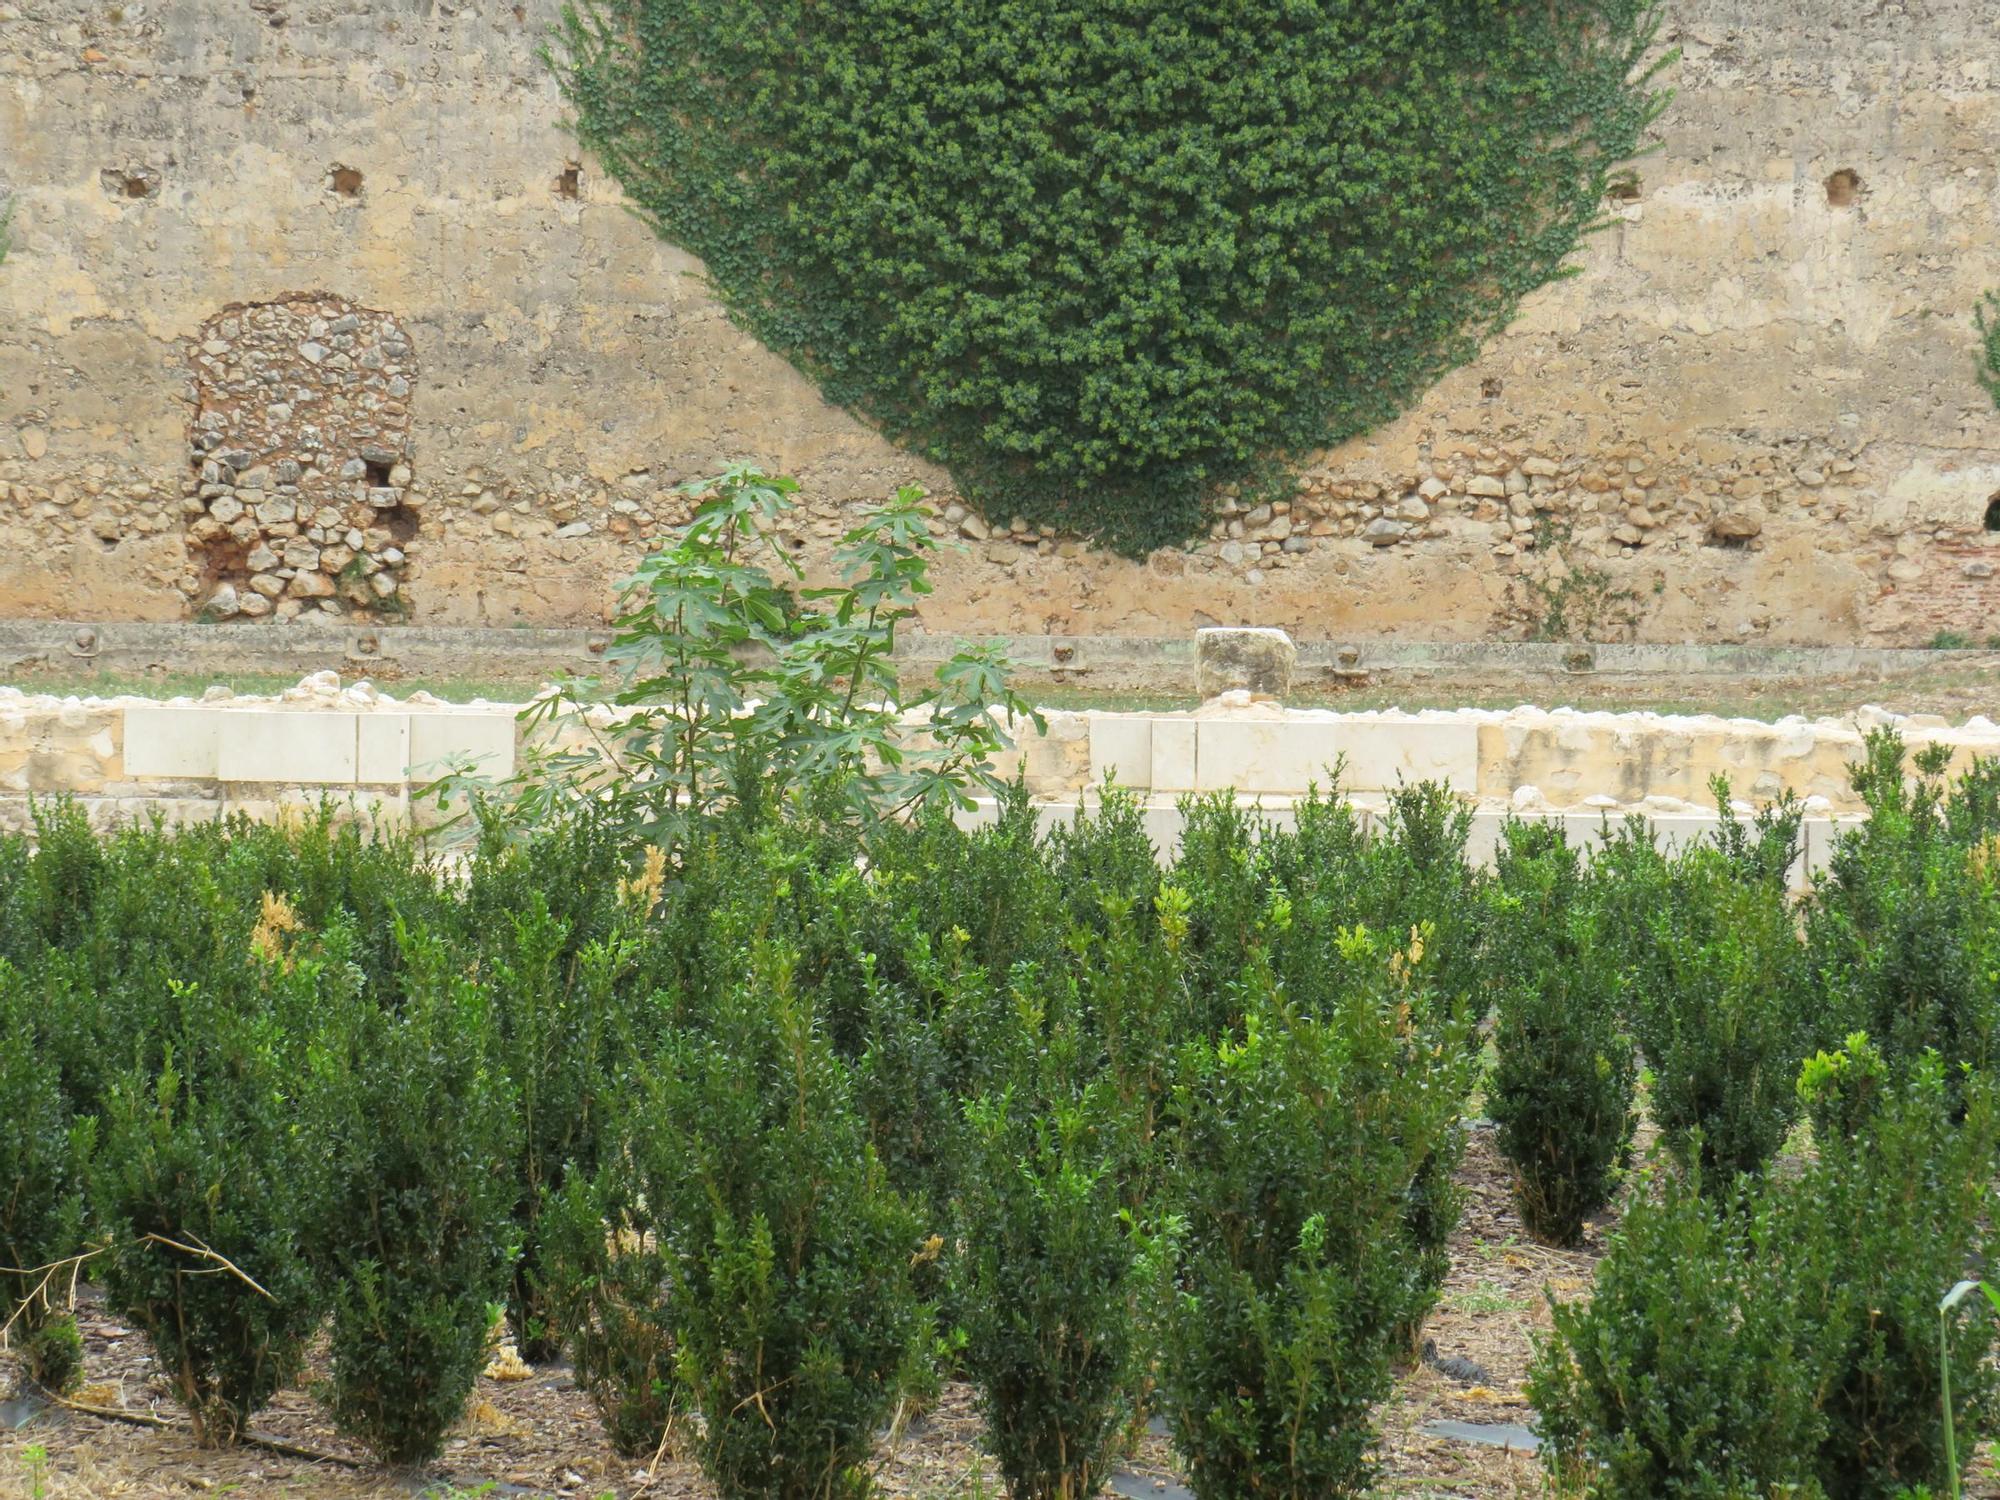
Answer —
(1102, 260)
(1988, 315)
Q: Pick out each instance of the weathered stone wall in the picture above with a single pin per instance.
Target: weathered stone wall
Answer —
(1751, 417)
(300, 440)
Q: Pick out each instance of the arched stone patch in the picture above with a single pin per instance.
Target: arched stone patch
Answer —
(300, 443)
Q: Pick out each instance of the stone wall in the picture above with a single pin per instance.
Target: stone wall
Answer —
(367, 751)
(1751, 418)
(300, 440)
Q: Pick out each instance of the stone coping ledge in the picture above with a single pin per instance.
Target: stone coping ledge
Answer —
(334, 737)
(1131, 663)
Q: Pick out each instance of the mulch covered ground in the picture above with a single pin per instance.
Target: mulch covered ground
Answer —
(540, 1436)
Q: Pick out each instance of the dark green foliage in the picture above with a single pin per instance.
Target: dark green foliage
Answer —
(1562, 1083)
(606, 1289)
(1104, 262)
(1787, 1333)
(1892, 1217)
(1718, 994)
(787, 1254)
(1904, 930)
(556, 1034)
(1295, 1150)
(419, 1132)
(1103, 854)
(1688, 1375)
(204, 1184)
(1050, 1268)
(44, 1155)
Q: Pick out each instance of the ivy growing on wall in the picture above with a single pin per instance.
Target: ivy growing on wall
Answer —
(1102, 258)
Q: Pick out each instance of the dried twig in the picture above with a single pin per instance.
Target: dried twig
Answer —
(250, 1439)
(225, 1263)
(41, 1288)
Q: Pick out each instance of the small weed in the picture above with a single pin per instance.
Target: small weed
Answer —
(1487, 1298)
(1571, 603)
(1951, 640)
(35, 1459)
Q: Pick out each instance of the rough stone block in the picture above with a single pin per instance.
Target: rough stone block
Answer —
(301, 749)
(170, 741)
(1382, 753)
(1256, 660)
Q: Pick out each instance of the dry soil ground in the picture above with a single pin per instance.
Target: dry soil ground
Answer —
(539, 1437)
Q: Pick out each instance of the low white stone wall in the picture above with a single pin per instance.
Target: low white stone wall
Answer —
(188, 758)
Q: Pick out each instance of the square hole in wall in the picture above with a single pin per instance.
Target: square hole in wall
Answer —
(376, 474)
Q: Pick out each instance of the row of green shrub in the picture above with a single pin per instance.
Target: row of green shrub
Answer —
(777, 1129)
(767, 1134)
(1754, 1331)
(1702, 973)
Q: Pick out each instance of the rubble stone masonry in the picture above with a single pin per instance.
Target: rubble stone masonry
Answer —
(311, 306)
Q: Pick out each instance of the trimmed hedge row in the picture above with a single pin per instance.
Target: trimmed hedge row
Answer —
(781, 1130)
(761, 1135)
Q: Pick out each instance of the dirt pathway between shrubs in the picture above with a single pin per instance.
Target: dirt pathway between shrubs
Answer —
(540, 1437)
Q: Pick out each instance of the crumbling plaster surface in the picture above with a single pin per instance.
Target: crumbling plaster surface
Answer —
(1753, 410)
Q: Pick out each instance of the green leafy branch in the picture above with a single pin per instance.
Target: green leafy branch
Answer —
(743, 688)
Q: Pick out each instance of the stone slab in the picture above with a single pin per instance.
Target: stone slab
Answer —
(172, 741)
(486, 739)
(382, 748)
(1286, 756)
(1121, 746)
(1509, 1435)
(297, 749)
(1176, 755)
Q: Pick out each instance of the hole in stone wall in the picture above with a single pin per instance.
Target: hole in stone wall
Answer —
(1623, 189)
(376, 474)
(344, 181)
(1993, 514)
(1490, 387)
(1843, 187)
(569, 181)
(129, 182)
